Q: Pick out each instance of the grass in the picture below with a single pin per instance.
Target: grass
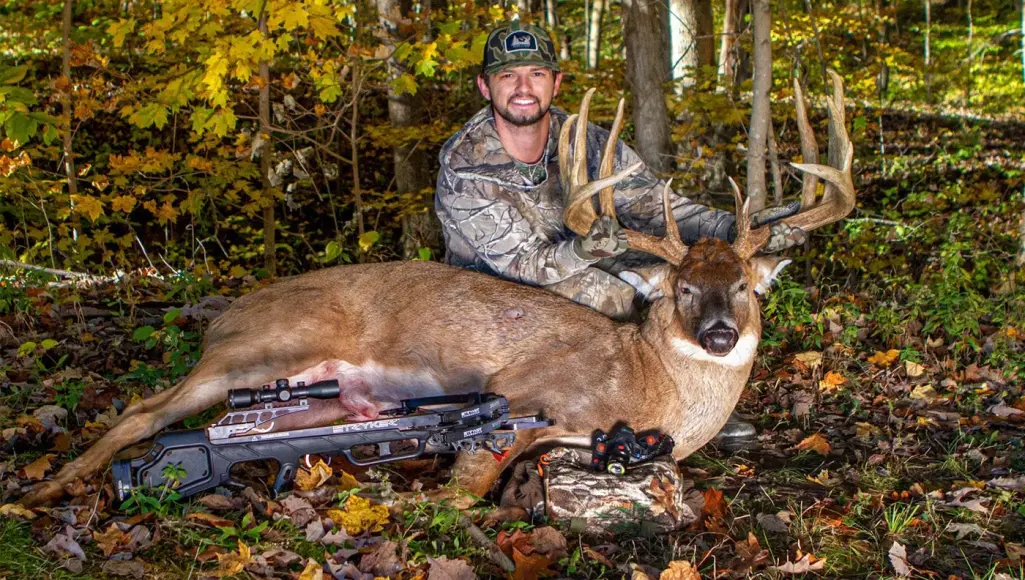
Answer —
(898, 517)
(22, 557)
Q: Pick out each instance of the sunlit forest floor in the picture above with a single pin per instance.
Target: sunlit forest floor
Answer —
(889, 408)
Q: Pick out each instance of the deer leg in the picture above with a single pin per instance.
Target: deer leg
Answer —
(149, 404)
(477, 473)
(195, 397)
(205, 387)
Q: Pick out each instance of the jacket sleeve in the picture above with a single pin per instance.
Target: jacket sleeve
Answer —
(639, 201)
(495, 232)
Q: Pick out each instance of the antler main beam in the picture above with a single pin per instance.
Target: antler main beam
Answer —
(580, 214)
(839, 198)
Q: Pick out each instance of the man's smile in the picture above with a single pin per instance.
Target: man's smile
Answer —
(523, 102)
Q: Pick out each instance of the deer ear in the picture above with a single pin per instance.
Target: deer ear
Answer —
(765, 269)
(650, 281)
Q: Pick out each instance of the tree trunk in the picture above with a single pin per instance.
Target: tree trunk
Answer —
(968, 80)
(818, 41)
(928, 57)
(647, 68)
(552, 20)
(67, 109)
(420, 230)
(760, 112)
(594, 32)
(1023, 41)
(730, 28)
(691, 40)
(270, 262)
(523, 7)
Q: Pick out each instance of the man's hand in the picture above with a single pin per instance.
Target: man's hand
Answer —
(606, 239)
(781, 236)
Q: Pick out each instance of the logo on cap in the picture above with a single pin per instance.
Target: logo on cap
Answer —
(520, 41)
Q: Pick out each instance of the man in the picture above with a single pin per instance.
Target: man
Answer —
(500, 200)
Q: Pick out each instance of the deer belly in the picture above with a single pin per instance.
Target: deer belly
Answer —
(368, 388)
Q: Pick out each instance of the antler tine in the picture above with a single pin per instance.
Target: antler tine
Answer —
(840, 196)
(809, 147)
(579, 213)
(577, 216)
(608, 159)
(671, 247)
(748, 241)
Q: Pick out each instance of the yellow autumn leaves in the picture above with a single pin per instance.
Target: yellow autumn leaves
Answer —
(358, 514)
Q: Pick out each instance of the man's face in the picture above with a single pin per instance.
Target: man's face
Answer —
(521, 95)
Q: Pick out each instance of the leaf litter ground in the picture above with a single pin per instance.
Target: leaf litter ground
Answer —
(885, 448)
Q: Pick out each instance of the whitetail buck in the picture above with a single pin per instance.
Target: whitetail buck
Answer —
(411, 329)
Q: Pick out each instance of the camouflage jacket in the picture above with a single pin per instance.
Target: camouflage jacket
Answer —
(497, 220)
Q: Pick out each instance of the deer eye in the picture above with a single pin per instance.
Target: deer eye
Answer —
(685, 291)
(742, 287)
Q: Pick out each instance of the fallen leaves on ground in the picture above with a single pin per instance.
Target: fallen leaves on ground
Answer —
(383, 561)
(209, 519)
(680, 570)
(110, 540)
(804, 564)
(816, 443)
(884, 359)
(16, 510)
(313, 571)
(38, 468)
(831, 382)
(444, 568)
(360, 515)
(899, 559)
(315, 477)
(231, 563)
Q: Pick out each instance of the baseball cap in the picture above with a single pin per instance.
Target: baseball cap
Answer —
(517, 44)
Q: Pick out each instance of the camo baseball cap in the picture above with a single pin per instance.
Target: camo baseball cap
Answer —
(518, 44)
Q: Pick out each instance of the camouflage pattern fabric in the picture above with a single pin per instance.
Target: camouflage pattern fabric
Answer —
(518, 44)
(652, 496)
(497, 220)
(599, 291)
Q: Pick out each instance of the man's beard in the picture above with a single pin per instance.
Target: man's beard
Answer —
(522, 120)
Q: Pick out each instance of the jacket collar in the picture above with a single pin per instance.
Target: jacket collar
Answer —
(477, 152)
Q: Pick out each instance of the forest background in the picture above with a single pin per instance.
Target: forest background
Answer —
(171, 151)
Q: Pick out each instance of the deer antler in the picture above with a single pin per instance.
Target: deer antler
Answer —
(579, 214)
(839, 197)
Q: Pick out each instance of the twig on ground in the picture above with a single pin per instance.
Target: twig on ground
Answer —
(254, 500)
(53, 271)
(495, 553)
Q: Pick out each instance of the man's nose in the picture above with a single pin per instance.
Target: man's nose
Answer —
(522, 83)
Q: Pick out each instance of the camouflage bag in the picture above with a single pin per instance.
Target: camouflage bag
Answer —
(649, 498)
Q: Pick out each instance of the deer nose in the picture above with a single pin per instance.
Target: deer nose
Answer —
(718, 339)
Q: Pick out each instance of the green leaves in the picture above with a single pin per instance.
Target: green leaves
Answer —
(368, 239)
(151, 114)
(142, 333)
(12, 75)
(404, 83)
(19, 127)
(120, 29)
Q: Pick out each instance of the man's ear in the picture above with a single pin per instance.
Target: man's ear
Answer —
(652, 282)
(558, 83)
(765, 270)
(482, 86)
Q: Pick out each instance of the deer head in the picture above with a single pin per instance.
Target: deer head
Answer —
(704, 296)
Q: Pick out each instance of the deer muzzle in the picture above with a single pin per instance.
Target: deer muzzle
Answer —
(719, 338)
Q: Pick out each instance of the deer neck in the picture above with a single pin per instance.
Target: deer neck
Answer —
(707, 387)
